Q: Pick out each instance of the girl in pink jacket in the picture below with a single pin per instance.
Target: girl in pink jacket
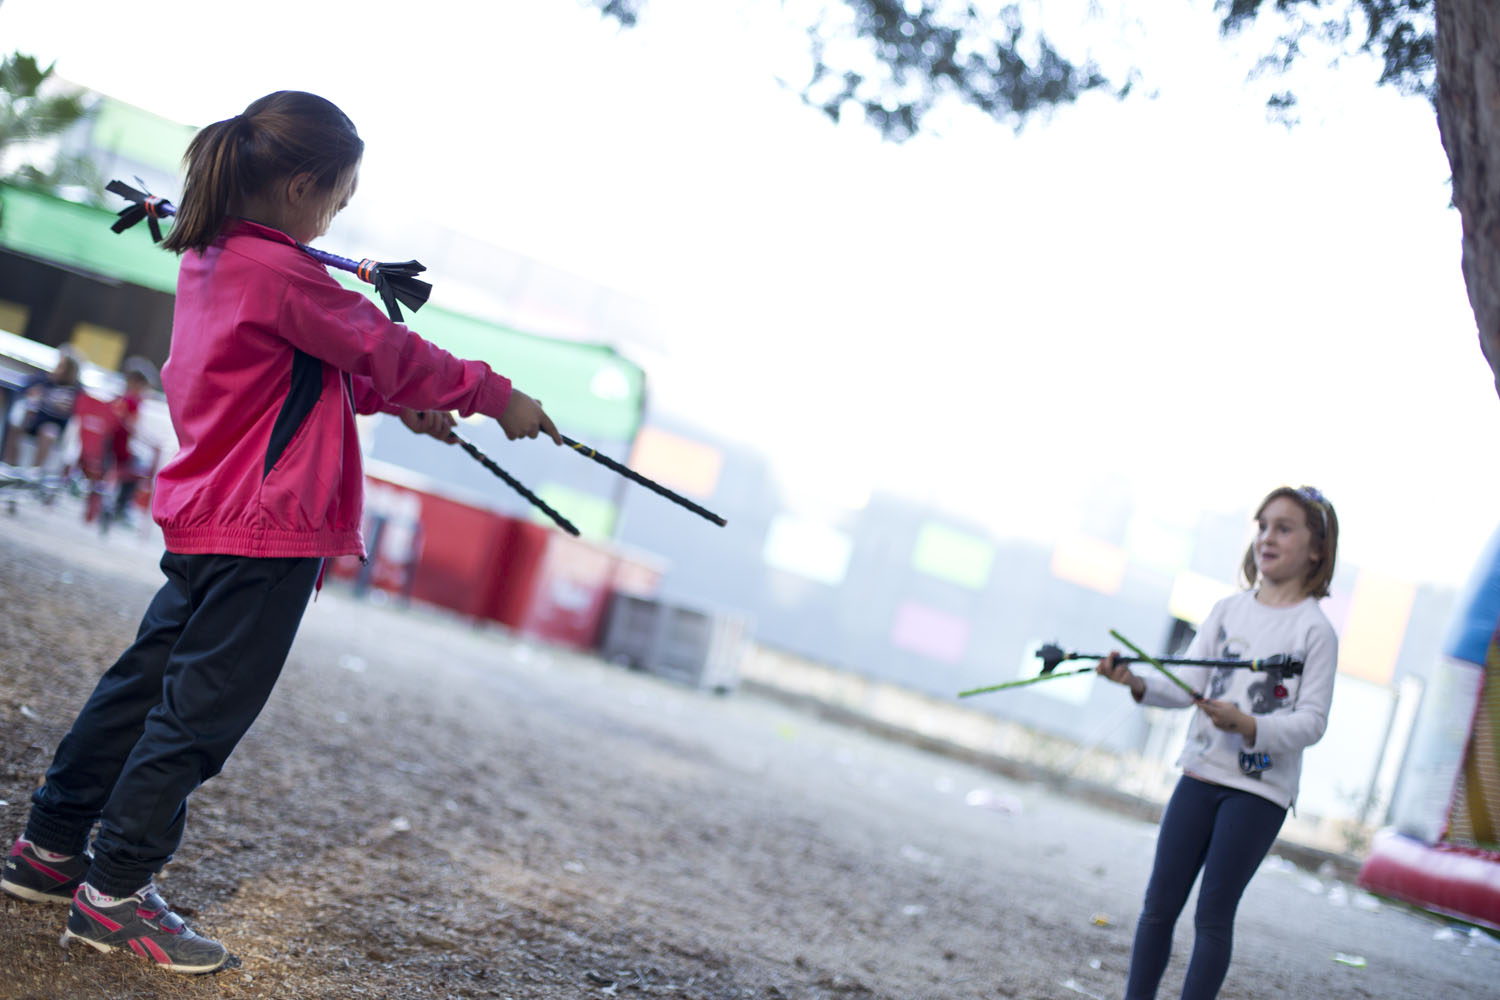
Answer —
(271, 359)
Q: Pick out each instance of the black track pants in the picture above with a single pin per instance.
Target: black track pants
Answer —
(167, 715)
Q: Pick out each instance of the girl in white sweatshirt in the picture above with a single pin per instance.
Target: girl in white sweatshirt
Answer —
(1244, 749)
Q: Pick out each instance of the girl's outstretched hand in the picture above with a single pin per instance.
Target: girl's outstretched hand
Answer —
(1111, 669)
(434, 423)
(524, 417)
(1228, 717)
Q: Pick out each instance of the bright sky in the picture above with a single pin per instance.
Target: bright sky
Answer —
(1170, 295)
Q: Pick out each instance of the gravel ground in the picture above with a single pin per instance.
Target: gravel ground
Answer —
(429, 808)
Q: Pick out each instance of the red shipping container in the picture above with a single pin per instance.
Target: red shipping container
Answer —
(557, 587)
(524, 575)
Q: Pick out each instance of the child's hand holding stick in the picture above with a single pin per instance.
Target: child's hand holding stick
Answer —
(1157, 664)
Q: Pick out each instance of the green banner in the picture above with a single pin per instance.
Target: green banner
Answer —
(78, 236)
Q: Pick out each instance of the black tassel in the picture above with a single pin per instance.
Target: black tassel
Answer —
(142, 206)
(399, 282)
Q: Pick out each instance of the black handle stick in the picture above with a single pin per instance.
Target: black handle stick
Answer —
(513, 483)
(1051, 655)
(394, 281)
(634, 476)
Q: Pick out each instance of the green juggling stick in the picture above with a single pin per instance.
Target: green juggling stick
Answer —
(1155, 663)
(1025, 681)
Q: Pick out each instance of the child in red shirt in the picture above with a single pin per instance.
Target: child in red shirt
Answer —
(127, 410)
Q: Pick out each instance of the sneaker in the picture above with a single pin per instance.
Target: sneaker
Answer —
(143, 923)
(30, 877)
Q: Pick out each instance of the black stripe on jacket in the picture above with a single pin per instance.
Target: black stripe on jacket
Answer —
(301, 395)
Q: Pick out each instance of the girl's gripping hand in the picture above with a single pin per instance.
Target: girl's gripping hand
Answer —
(1111, 669)
(524, 417)
(1228, 717)
(434, 423)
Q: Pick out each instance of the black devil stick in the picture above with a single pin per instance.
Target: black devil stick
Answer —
(634, 476)
(511, 481)
(1051, 655)
(394, 282)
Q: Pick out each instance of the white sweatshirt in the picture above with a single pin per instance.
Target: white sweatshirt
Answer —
(1291, 711)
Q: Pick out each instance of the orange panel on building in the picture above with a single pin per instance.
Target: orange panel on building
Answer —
(1371, 639)
(676, 462)
(1089, 563)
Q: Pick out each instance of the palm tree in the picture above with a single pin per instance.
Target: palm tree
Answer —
(29, 118)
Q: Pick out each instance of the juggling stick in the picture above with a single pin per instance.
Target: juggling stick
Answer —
(1025, 681)
(1157, 664)
(1051, 655)
(513, 483)
(634, 476)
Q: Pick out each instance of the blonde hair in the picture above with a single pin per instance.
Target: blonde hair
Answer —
(1322, 522)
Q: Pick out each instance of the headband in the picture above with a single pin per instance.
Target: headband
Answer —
(1313, 495)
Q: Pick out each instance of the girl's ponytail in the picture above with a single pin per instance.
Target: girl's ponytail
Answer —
(213, 170)
(279, 135)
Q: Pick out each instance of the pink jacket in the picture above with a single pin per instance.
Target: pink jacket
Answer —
(271, 358)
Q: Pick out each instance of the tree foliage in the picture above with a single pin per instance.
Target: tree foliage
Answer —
(926, 54)
(31, 113)
(1401, 33)
(894, 61)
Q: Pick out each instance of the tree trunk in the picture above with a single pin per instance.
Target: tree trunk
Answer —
(1468, 106)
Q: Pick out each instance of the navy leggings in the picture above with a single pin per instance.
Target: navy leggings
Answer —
(1225, 833)
(166, 716)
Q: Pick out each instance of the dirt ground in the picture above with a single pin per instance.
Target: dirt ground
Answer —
(431, 809)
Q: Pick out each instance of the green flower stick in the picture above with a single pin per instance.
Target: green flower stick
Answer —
(1025, 681)
(1156, 663)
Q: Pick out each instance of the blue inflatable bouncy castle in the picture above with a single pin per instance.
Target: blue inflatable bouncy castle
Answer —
(1442, 848)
